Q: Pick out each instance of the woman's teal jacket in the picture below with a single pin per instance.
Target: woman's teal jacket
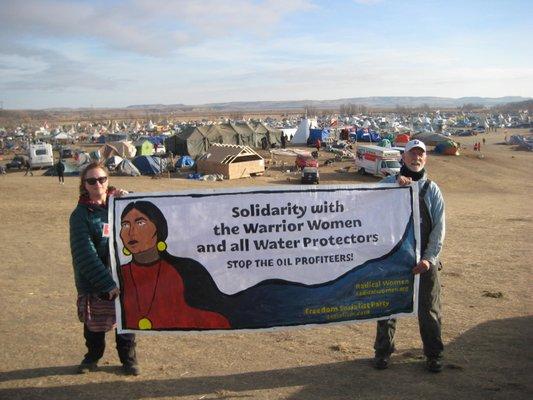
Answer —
(90, 252)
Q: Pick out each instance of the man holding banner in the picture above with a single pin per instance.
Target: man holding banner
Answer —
(432, 229)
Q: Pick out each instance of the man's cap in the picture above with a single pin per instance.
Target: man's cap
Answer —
(415, 143)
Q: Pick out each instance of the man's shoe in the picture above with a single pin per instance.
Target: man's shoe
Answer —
(434, 365)
(381, 362)
(86, 367)
(131, 369)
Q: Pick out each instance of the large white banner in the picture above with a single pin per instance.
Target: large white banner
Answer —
(264, 257)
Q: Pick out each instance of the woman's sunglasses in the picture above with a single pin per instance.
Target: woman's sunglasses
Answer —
(92, 181)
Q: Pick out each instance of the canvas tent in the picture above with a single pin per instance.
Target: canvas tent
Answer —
(431, 139)
(194, 141)
(232, 161)
(108, 150)
(272, 135)
(124, 148)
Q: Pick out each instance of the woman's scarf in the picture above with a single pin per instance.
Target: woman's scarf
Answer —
(85, 199)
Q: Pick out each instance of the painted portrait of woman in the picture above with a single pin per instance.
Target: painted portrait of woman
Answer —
(160, 291)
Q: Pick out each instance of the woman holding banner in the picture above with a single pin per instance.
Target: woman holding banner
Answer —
(160, 291)
(89, 233)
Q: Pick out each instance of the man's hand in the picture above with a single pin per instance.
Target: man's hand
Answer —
(421, 267)
(403, 180)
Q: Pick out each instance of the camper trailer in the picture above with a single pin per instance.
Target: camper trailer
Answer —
(376, 160)
(41, 155)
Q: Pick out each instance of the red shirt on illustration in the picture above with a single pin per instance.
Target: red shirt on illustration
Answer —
(156, 292)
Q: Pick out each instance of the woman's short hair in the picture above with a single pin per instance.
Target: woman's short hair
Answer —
(153, 213)
(85, 171)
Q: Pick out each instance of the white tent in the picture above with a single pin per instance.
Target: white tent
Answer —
(62, 136)
(289, 132)
(302, 133)
(83, 158)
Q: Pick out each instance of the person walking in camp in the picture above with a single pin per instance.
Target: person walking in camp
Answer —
(283, 140)
(27, 167)
(432, 228)
(89, 233)
(60, 169)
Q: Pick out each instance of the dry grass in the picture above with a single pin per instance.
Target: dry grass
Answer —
(488, 250)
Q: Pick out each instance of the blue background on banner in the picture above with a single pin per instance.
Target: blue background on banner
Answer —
(282, 303)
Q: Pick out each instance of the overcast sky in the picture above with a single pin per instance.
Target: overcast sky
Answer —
(114, 53)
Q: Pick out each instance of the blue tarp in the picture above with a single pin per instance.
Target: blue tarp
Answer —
(194, 176)
(184, 162)
(317, 134)
(363, 135)
(149, 165)
(159, 140)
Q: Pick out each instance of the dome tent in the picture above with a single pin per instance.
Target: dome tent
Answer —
(150, 165)
(127, 168)
(113, 162)
(448, 148)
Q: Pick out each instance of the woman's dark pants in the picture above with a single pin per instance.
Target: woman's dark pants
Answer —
(95, 342)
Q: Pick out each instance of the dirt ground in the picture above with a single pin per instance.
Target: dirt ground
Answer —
(486, 295)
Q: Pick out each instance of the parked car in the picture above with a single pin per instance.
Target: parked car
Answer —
(303, 161)
(16, 163)
(310, 175)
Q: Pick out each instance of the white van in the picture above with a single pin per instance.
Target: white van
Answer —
(376, 160)
(41, 155)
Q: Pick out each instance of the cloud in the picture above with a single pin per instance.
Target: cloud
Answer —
(148, 27)
(368, 2)
(46, 70)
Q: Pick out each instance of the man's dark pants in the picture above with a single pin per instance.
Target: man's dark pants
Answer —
(429, 320)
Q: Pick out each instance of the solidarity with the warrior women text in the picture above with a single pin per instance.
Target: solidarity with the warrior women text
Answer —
(253, 259)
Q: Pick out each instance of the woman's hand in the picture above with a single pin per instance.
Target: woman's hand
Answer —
(120, 192)
(113, 294)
